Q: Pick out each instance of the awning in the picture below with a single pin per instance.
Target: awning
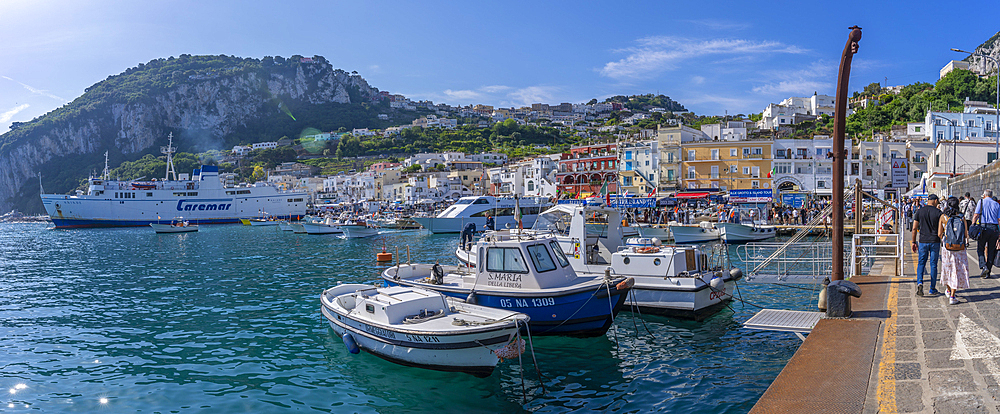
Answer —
(691, 195)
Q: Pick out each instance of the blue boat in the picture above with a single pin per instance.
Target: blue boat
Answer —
(557, 300)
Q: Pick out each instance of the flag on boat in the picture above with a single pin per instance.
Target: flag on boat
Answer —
(517, 212)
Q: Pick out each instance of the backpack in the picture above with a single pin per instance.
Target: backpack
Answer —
(954, 234)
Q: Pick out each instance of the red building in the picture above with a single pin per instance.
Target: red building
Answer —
(586, 168)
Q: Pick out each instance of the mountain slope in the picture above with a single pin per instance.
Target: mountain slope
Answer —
(207, 102)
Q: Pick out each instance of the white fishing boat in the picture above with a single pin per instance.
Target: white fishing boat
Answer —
(676, 281)
(545, 286)
(359, 229)
(694, 233)
(475, 209)
(742, 233)
(422, 328)
(178, 225)
(298, 228)
(322, 226)
(659, 231)
(201, 199)
(667, 287)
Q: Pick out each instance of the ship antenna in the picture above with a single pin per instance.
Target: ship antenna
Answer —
(169, 151)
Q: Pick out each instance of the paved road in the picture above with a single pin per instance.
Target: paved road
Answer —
(936, 357)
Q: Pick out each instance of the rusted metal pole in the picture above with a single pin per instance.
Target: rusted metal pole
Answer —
(839, 155)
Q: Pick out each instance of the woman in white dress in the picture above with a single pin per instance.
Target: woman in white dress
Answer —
(954, 259)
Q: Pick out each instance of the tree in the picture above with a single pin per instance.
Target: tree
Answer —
(349, 146)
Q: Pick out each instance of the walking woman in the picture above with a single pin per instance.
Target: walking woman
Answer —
(954, 259)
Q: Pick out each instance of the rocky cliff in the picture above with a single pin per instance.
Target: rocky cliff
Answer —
(207, 100)
(991, 48)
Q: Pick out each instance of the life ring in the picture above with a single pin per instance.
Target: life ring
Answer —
(648, 249)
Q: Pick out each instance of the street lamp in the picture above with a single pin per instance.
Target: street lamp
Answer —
(997, 124)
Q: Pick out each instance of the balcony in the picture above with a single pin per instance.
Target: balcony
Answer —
(753, 156)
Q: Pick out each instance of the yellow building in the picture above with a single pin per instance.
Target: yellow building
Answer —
(726, 165)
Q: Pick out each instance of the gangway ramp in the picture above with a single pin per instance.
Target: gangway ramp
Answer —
(799, 322)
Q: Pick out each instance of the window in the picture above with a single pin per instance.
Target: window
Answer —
(780, 154)
(821, 184)
(755, 172)
(782, 168)
(626, 181)
(628, 165)
(647, 163)
(715, 154)
(989, 126)
(746, 151)
(505, 259)
(755, 184)
(670, 175)
(940, 135)
(973, 134)
(691, 173)
(670, 157)
(628, 155)
(757, 151)
(970, 123)
(957, 136)
(690, 155)
(733, 168)
(746, 170)
(937, 160)
(715, 171)
(560, 256)
(531, 186)
(540, 258)
(732, 152)
(916, 174)
(917, 129)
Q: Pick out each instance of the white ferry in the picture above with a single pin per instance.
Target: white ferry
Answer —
(200, 199)
(475, 209)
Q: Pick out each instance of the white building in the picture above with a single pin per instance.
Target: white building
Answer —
(804, 165)
(796, 109)
(529, 178)
(728, 131)
(953, 158)
(976, 122)
(241, 150)
(263, 145)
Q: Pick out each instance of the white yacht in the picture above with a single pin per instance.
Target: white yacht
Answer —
(475, 209)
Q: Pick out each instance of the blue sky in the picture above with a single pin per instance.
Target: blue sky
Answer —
(711, 57)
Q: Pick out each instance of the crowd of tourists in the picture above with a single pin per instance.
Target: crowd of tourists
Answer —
(952, 225)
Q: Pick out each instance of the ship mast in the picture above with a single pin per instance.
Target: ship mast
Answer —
(106, 174)
(169, 150)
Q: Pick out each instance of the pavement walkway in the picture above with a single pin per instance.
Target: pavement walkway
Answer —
(900, 353)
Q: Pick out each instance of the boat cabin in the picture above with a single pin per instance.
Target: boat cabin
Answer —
(520, 263)
(588, 233)
(393, 305)
(660, 261)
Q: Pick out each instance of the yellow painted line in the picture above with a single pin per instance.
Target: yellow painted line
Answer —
(887, 365)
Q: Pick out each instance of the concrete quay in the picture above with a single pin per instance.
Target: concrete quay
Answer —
(899, 353)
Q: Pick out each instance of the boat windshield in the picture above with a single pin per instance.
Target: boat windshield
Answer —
(464, 201)
(541, 258)
(557, 222)
(560, 256)
(505, 259)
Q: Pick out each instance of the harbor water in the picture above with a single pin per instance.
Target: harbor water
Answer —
(227, 320)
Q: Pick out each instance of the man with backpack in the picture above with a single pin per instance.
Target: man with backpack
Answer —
(928, 246)
(987, 212)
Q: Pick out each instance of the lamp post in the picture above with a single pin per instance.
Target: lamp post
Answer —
(997, 124)
(954, 143)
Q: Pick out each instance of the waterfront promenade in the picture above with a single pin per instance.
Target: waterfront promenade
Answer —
(899, 353)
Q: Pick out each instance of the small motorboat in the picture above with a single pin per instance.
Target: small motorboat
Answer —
(704, 231)
(178, 225)
(263, 222)
(741, 233)
(359, 229)
(317, 226)
(558, 300)
(422, 328)
(297, 228)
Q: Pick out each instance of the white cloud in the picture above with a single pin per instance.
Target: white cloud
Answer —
(6, 116)
(533, 94)
(462, 94)
(697, 80)
(660, 53)
(494, 88)
(801, 82)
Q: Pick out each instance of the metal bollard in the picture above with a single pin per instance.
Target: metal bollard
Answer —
(838, 298)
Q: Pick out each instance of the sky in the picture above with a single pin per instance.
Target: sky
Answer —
(712, 57)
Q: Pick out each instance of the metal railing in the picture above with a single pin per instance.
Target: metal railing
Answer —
(801, 262)
(866, 248)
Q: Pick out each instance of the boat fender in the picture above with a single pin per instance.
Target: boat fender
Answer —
(352, 346)
(437, 274)
(736, 273)
(717, 283)
(471, 299)
(625, 284)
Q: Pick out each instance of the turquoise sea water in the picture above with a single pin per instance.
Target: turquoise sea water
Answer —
(227, 320)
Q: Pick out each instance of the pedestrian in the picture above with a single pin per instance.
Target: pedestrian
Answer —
(928, 246)
(970, 209)
(954, 260)
(987, 213)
